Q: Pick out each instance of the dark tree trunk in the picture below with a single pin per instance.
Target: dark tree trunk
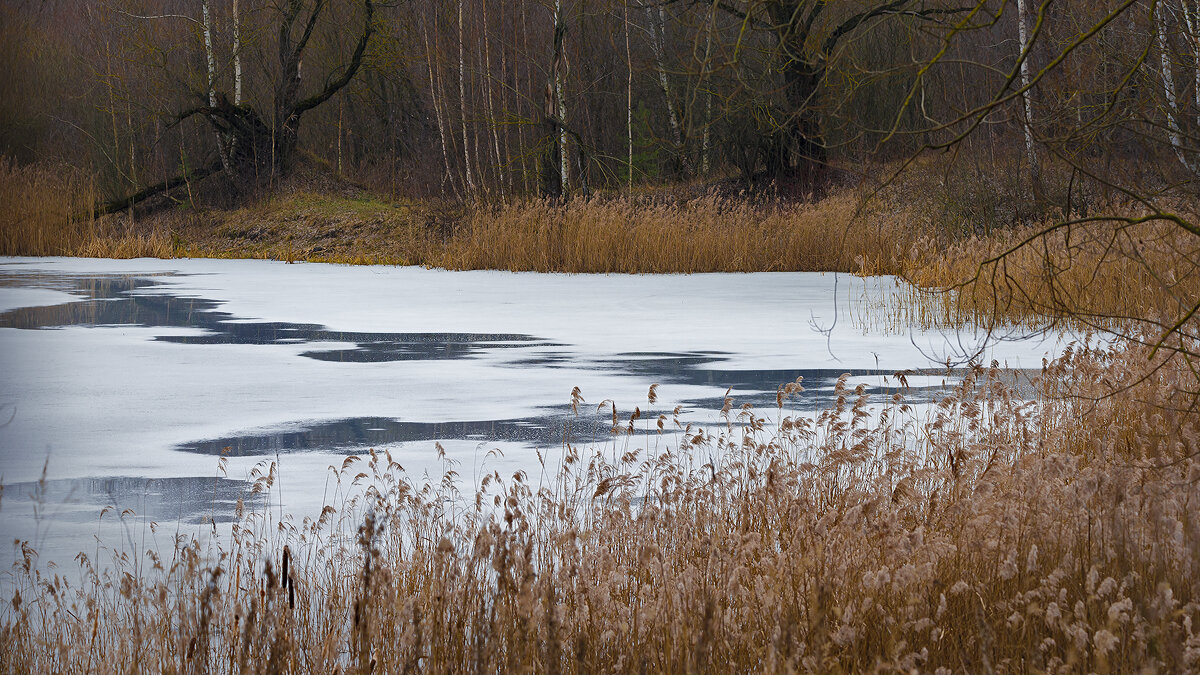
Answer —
(792, 151)
(798, 153)
(551, 162)
(260, 151)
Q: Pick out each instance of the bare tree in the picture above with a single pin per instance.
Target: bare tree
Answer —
(628, 92)
(237, 54)
(1174, 130)
(803, 39)
(462, 100)
(264, 145)
(559, 69)
(657, 28)
(1027, 96)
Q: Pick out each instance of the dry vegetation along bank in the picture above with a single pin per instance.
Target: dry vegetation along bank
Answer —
(938, 231)
(991, 534)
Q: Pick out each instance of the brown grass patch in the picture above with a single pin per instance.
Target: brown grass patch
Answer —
(987, 535)
(710, 234)
(310, 227)
(47, 210)
(1101, 274)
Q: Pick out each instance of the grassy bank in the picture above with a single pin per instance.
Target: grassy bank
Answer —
(45, 214)
(991, 535)
(936, 232)
(47, 210)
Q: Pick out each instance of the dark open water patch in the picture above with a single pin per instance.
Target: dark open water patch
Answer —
(553, 427)
(121, 300)
(364, 432)
(115, 300)
(187, 500)
(354, 435)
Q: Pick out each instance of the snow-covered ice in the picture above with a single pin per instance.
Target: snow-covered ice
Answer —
(215, 350)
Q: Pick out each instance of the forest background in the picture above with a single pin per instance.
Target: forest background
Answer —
(410, 116)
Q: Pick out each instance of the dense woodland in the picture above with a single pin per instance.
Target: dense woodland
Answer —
(490, 100)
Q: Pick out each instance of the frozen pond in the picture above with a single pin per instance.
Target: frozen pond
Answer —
(127, 379)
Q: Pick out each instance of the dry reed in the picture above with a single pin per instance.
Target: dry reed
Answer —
(709, 234)
(989, 534)
(1101, 274)
(48, 210)
(626, 234)
(44, 211)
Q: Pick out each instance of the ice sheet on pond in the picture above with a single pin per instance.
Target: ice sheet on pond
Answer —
(150, 368)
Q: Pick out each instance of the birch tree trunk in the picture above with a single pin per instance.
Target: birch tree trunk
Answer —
(705, 72)
(1191, 18)
(210, 58)
(1026, 98)
(435, 99)
(211, 62)
(629, 94)
(560, 98)
(658, 39)
(1174, 133)
(237, 55)
(462, 100)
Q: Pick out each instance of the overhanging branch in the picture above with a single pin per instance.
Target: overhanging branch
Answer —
(158, 188)
(348, 74)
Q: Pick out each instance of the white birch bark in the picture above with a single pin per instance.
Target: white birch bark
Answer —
(1174, 133)
(237, 55)
(706, 141)
(1191, 18)
(1026, 98)
(211, 60)
(560, 99)
(629, 93)
(658, 30)
(437, 107)
(462, 99)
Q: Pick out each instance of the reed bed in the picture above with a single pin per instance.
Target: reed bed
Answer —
(48, 210)
(598, 235)
(1101, 274)
(985, 534)
(707, 234)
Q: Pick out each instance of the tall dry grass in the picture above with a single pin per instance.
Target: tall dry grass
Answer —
(638, 234)
(1103, 274)
(708, 234)
(48, 210)
(617, 234)
(988, 534)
